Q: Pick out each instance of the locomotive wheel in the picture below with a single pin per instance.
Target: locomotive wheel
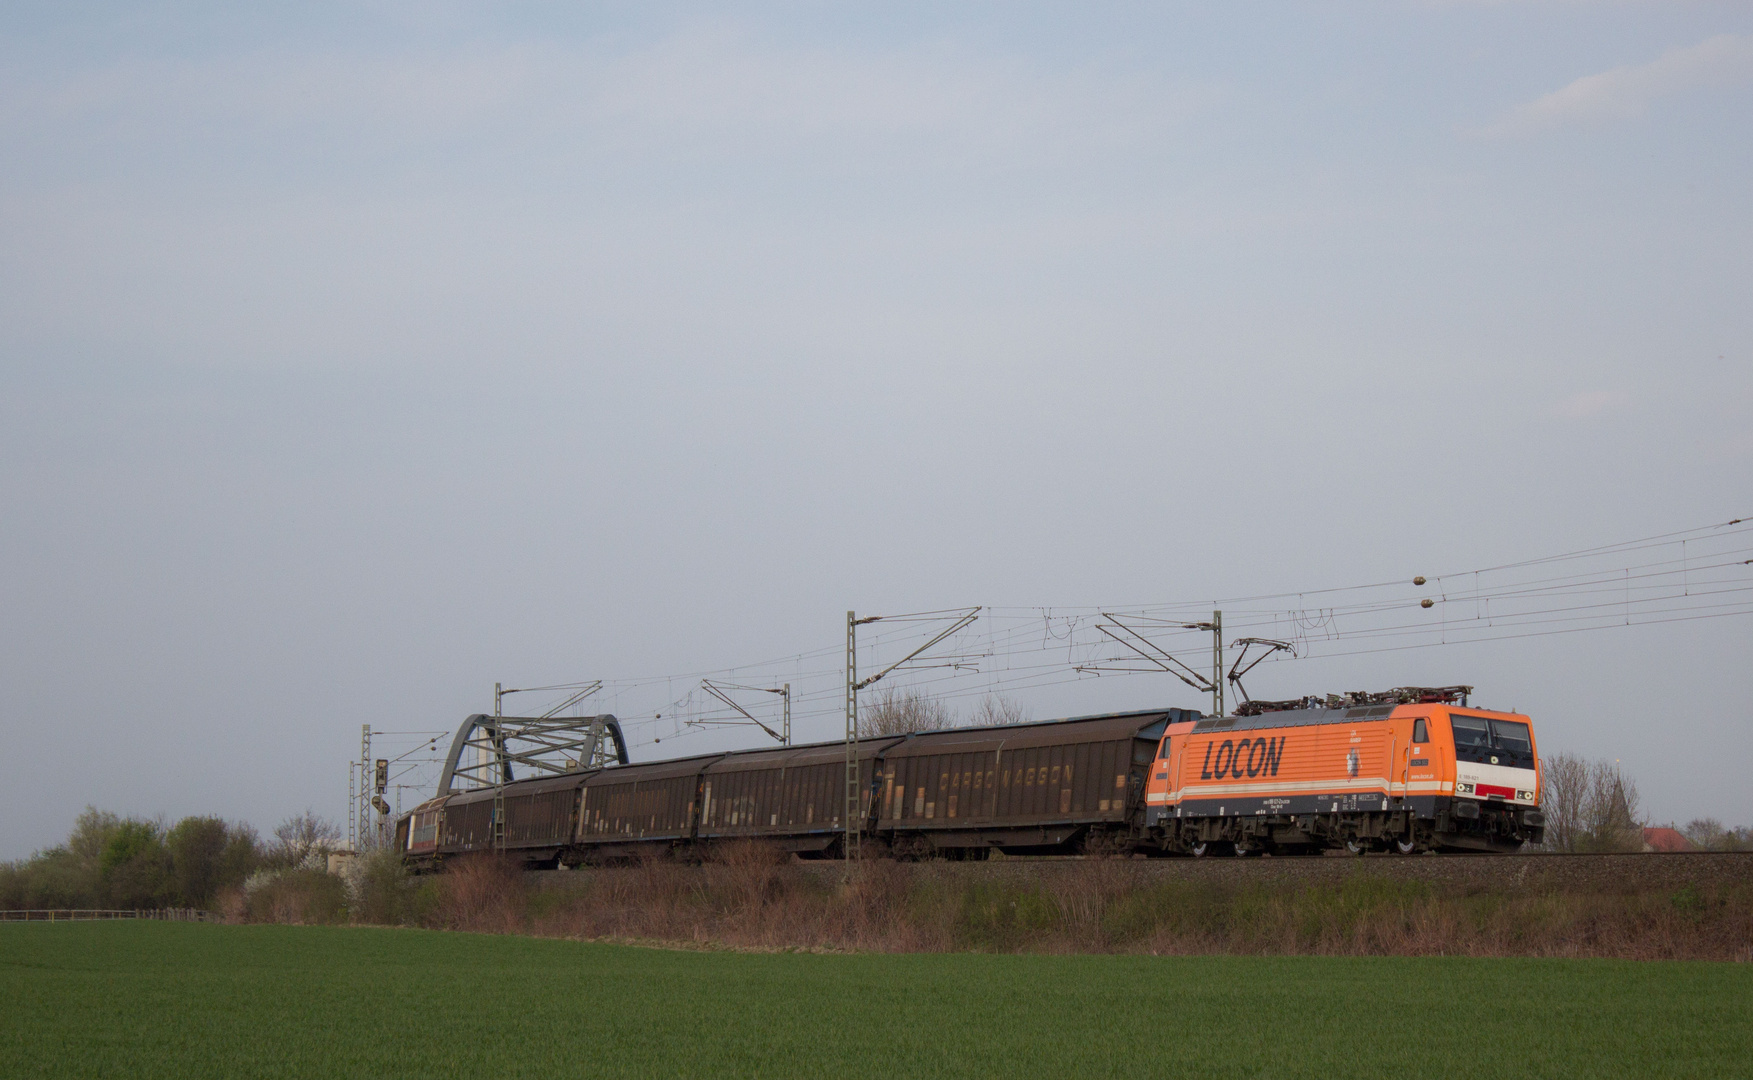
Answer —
(1408, 846)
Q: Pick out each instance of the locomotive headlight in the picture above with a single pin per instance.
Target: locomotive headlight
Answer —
(1463, 789)
(1525, 796)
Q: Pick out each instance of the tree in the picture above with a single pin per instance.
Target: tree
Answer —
(243, 854)
(135, 868)
(996, 710)
(70, 875)
(196, 845)
(1612, 819)
(303, 838)
(899, 711)
(1712, 835)
(1564, 784)
(109, 861)
(1706, 833)
(1589, 805)
(92, 831)
(208, 855)
(49, 879)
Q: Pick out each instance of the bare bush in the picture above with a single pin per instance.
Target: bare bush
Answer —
(875, 914)
(232, 905)
(380, 890)
(752, 870)
(485, 893)
(752, 896)
(295, 897)
(900, 711)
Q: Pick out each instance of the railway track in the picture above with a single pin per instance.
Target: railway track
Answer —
(1628, 872)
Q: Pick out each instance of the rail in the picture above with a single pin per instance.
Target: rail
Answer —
(96, 914)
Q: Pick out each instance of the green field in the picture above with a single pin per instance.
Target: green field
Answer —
(186, 1000)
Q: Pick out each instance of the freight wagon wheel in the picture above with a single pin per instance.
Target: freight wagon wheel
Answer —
(1201, 848)
(911, 848)
(1356, 845)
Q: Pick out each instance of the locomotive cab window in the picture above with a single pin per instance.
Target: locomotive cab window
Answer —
(1512, 736)
(1471, 732)
(1482, 739)
(1420, 734)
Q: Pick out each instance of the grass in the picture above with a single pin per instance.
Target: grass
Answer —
(189, 1000)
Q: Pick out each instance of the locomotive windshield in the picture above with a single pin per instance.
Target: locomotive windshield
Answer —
(1482, 738)
(1512, 736)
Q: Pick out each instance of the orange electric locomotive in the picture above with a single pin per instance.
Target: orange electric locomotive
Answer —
(1413, 769)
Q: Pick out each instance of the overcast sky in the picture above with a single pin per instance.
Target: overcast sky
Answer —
(356, 357)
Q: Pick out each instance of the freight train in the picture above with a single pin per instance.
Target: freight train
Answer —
(1409, 770)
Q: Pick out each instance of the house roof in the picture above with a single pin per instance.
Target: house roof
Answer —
(1665, 839)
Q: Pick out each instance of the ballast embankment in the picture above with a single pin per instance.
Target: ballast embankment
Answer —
(1617, 872)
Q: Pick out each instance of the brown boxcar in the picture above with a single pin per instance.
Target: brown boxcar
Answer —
(539, 816)
(467, 822)
(641, 804)
(1022, 786)
(792, 796)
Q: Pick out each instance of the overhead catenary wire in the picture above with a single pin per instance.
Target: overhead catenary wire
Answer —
(1671, 577)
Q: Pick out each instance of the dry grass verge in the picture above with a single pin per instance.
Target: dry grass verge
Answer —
(751, 897)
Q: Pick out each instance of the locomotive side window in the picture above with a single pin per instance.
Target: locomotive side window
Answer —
(1420, 734)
